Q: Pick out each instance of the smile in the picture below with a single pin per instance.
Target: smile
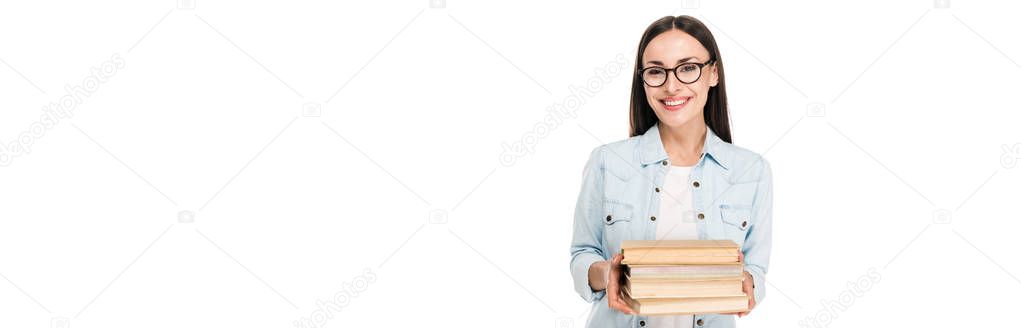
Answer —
(674, 103)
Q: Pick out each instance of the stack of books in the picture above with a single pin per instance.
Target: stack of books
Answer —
(674, 277)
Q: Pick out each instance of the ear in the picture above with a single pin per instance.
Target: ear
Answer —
(714, 78)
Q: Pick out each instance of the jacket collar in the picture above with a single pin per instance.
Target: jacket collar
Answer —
(651, 147)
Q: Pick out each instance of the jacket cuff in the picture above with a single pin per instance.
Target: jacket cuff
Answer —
(759, 281)
(579, 269)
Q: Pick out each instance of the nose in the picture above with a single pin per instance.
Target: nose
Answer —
(673, 85)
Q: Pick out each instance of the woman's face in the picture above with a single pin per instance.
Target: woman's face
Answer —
(677, 104)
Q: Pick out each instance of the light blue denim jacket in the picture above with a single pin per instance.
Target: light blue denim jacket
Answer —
(733, 197)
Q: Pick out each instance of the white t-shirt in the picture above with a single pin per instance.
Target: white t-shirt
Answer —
(676, 220)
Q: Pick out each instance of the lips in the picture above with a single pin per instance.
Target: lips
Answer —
(674, 103)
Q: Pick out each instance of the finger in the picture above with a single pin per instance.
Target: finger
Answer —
(620, 306)
(619, 299)
(613, 304)
(751, 298)
(624, 305)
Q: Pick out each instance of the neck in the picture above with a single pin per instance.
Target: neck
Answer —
(683, 144)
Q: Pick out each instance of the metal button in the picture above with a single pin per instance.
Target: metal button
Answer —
(664, 162)
(641, 323)
(701, 216)
(653, 218)
(744, 224)
(695, 184)
(699, 322)
(657, 189)
(608, 218)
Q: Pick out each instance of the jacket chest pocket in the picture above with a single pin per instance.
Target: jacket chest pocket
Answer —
(736, 222)
(616, 223)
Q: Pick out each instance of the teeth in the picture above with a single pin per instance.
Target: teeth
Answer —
(675, 102)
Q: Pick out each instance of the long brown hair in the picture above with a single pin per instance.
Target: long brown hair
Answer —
(715, 111)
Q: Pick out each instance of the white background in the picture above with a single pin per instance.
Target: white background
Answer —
(898, 168)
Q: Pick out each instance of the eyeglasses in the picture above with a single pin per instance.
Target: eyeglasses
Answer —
(686, 73)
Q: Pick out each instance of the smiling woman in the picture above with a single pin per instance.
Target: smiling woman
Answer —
(692, 182)
(700, 69)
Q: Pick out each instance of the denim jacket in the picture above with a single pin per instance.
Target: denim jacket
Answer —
(733, 196)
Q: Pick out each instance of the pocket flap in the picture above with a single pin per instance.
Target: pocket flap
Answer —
(617, 211)
(739, 217)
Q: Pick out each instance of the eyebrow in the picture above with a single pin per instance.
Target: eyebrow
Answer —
(656, 62)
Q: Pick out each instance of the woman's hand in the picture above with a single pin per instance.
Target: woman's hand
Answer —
(615, 297)
(749, 288)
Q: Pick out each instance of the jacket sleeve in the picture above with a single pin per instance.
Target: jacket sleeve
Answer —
(586, 243)
(759, 240)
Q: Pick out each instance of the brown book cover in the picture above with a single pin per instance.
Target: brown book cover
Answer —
(682, 306)
(650, 252)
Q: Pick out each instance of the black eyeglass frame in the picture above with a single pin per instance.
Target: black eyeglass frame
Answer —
(641, 73)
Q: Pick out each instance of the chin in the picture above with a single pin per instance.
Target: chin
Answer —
(672, 120)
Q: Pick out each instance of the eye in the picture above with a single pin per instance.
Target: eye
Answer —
(655, 71)
(688, 68)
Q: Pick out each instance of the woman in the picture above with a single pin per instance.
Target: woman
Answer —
(677, 177)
